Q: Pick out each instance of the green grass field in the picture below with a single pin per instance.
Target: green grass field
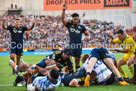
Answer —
(6, 78)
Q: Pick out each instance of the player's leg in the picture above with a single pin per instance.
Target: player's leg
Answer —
(93, 59)
(18, 57)
(19, 53)
(109, 61)
(119, 64)
(12, 56)
(30, 87)
(78, 53)
(131, 68)
(134, 78)
(19, 68)
(12, 51)
(122, 62)
(130, 62)
(77, 63)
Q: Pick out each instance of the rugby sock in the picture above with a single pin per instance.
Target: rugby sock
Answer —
(120, 79)
(17, 68)
(134, 72)
(122, 72)
(13, 64)
(131, 69)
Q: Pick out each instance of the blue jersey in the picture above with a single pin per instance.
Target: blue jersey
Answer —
(17, 34)
(75, 33)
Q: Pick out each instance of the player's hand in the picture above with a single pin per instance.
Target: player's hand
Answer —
(110, 34)
(87, 81)
(65, 6)
(86, 38)
(29, 71)
(124, 83)
(3, 18)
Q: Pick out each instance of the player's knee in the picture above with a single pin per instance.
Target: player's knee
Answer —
(128, 63)
(12, 56)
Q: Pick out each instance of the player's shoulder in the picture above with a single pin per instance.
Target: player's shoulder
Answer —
(129, 39)
(57, 52)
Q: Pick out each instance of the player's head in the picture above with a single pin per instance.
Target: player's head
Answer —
(17, 23)
(53, 74)
(93, 75)
(75, 18)
(66, 53)
(121, 34)
(84, 57)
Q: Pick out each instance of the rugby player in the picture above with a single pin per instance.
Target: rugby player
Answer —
(16, 45)
(44, 83)
(102, 54)
(128, 45)
(75, 30)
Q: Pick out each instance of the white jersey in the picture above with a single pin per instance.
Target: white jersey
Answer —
(43, 84)
(101, 70)
(112, 55)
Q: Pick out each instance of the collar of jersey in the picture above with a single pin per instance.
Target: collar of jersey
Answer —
(124, 38)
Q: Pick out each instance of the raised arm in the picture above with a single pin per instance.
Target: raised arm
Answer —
(32, 25)
(112, 37)
(3, 23)
(63, 14)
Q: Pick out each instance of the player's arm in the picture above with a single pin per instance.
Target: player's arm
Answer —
(32, 25)
(64, 21)
(70, 65)
(122, 51)
(42, 70)
(86, 35)
(112, 41)
(3, 24)
(74, 83)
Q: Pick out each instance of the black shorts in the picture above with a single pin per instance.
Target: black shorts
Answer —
(100, 53)
(16, 48)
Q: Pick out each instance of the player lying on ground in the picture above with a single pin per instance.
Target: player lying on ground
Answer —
(102, 54)
(101, 75)
(61, 59)
(44, 83)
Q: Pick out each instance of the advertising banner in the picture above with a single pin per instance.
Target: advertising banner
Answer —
(56, 5)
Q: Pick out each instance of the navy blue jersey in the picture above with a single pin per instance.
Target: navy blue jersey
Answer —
(60, 62)
(75, 32)
(66, 78)
(17, 34)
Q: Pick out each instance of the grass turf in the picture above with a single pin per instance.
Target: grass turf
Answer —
(6, 77)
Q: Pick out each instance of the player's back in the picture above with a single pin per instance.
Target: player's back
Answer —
(44, 84)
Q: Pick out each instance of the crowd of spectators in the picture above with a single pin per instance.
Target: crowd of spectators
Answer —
(49, 31)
